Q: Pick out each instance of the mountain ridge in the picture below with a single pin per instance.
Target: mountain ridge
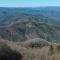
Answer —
(27, 23)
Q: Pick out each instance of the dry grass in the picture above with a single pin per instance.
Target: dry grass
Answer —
(37, 53)
(33, 53)
(55, 50)
(36, 42)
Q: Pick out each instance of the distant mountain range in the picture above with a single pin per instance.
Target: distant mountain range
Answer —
(20, 24)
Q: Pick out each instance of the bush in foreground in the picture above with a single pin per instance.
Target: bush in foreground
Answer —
(6, 53)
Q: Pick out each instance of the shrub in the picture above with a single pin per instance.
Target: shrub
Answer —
(58, 48)
(6, 53)
(51, 50)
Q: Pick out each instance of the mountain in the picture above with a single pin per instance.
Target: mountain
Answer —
(20, 24)
(22, 31)
(9, 15)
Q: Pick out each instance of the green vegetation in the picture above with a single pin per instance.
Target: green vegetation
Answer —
(58, 48)
(44, 24)
(22, 32)
(54, 50)
(51, 50)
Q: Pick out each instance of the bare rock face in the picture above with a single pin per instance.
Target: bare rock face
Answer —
(6, 53)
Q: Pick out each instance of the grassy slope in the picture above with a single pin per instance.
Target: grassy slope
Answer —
(33, 53)
(36, 53)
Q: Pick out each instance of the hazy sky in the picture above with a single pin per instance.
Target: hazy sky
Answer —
(28, 3)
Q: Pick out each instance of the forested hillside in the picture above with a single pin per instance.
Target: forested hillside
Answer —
(20, 24)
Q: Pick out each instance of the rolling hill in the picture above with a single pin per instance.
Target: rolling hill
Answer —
(20, 24)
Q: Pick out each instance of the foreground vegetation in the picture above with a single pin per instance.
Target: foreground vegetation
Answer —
(51, 52)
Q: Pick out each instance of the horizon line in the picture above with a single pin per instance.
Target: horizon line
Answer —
(25, 6)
